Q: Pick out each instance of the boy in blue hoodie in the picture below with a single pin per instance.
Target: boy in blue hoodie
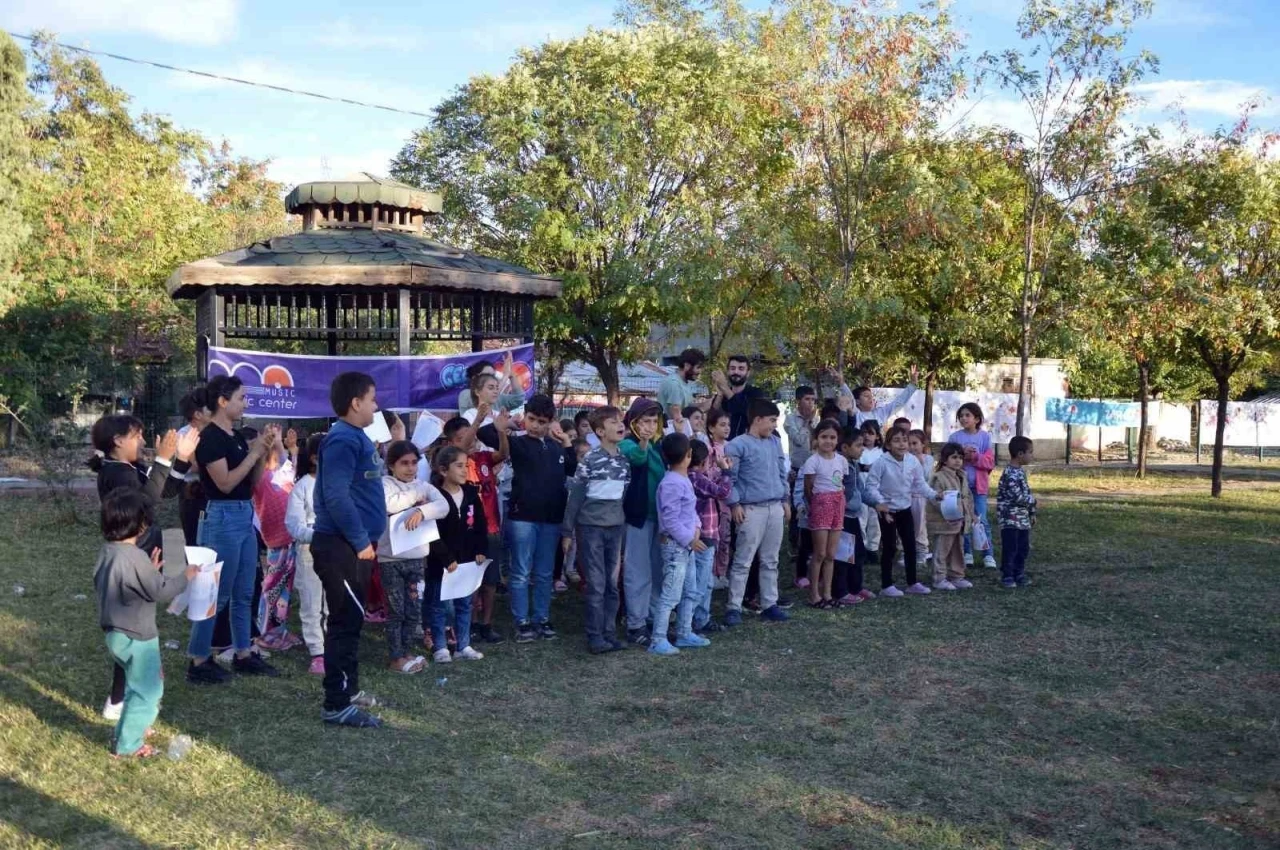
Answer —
(350, 516)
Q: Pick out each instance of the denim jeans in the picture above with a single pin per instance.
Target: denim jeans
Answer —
(227, 528)
(598, 549)
(675, 592)
(703, 563)
(1015, 546)
(980, 516)
(641, 554)
(436, 613)
(533, 560)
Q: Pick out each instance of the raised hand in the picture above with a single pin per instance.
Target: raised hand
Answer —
(167, 445)
(501, 420)
(291, 441)
(187, 444)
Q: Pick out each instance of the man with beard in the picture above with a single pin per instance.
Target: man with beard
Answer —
(734, 396)
(735, 393)
(676, 392)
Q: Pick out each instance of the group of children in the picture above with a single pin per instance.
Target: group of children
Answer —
(655, 522)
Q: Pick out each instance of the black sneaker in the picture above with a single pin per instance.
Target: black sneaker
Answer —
(209, 672)
(710, 628)
(253, 665)
(599, 648)
(351, 716)
(488, 635)
(526, 633)
(546, 632)
(614, 644)
(785, 603)
(638, 637)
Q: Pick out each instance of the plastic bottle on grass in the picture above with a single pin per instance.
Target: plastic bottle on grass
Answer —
(179, 747)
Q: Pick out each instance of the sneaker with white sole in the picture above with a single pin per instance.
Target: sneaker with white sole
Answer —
(112, 710)
(990, 563)
(918, 589)
(891, 591)
(968, 559)
(721, 583)
(962, 584)
(943, 585)
(442, 656)
(468, 654)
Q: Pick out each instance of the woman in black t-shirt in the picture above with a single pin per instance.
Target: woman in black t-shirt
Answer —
(228, 467)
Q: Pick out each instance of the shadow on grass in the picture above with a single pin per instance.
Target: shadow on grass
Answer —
(40, 816)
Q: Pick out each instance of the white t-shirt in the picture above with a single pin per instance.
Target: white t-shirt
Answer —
(828, 473)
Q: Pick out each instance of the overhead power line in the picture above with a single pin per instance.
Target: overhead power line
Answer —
(226, 79)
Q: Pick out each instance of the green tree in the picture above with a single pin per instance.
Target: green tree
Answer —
(15, 163)
(615, 161)
(1221, 217)
(948, 256)
(1075, 80)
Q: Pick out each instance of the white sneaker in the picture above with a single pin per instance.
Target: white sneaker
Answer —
(721, 583)
(962, 584)
(990, 563)
(891, 591)
(112, 710)
(468, 654)
(918, 589)
(442, 656)
(968, 559)
(226, 655)
(943, 585)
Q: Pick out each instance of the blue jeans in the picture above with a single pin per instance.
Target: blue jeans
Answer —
(533, 561)
(227, 528)
(598, 549)
(677, 592)
(435, 613)
(980, 504)
(702, 563)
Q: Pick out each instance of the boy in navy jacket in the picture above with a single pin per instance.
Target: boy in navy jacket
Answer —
(350, 516)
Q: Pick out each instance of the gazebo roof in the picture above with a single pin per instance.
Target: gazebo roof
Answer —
(357, 258)
(363, 188)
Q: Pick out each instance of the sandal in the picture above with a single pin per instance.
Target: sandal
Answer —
(819, 605)
(146, 751)
(408, 665)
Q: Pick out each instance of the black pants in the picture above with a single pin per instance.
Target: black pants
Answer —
(847, 577)
(342, 575)
(1015, 546)
(404, 607)
(191, 503)
(902, 525)
(804, 548)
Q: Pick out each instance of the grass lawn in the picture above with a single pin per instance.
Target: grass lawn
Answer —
(1130, 698)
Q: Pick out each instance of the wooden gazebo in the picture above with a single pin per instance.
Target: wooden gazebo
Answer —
(360, 269)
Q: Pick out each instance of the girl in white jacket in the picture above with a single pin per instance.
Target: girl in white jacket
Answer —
(404, 574)
(300, 519)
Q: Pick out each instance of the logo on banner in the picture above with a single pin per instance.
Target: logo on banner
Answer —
(269, 388)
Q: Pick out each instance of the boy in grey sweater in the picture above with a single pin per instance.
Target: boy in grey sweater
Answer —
(129, 585)
(595, 513)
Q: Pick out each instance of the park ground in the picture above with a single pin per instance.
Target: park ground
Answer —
(1129, 698)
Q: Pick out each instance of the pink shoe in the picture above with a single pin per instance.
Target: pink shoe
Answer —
(962, 584)
(850, 599)
(802, 582)
(375, 617)
(289, 641)
(866, 594)
(918, 589)
(560, 587)
(317, 665)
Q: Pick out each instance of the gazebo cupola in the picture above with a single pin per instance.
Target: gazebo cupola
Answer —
(360, 270)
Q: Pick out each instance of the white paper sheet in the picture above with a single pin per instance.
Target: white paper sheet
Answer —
(378, 431)
(427, 430)
(200, 599)
(844, 552)
(950, 507)
(463, 581)
(404, 540)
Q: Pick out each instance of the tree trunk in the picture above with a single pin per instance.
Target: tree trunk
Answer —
(1224, 397)
(607, 368)
(1144, 394)
(928, 405)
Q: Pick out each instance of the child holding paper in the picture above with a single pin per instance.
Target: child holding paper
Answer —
(947, 534)
(846, 580)
(300, 520)
(403, 572)
(464, 537)
(129, 585)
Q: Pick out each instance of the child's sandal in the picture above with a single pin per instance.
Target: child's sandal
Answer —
(146, 751)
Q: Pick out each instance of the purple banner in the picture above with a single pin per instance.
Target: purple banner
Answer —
(282, 386)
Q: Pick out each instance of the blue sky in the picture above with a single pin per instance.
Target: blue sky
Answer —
(1214, 55)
